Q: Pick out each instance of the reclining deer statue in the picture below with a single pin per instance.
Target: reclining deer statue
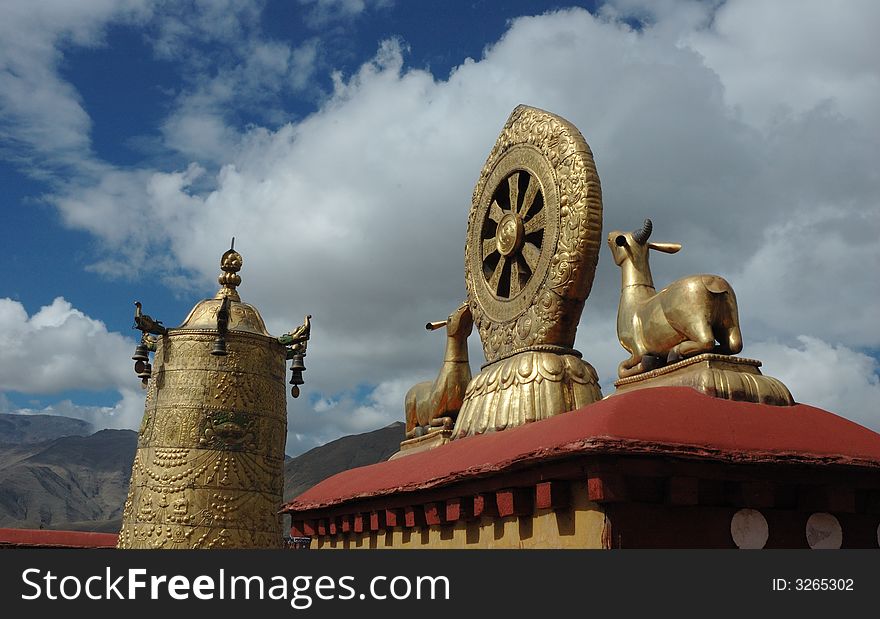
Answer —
(436, 404)
(682, 320)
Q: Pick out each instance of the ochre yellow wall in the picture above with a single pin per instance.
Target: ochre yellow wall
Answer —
(582, 525)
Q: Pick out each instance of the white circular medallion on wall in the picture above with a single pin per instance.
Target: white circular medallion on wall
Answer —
(749, 529)
(824, 532)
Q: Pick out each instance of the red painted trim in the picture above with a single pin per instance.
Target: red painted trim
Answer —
(485, 505)
(460, 508)
(552, 495)
(664, 421)
(57, 539)
(606, 488)
(394, 517)
(435, 513)
(514, 502)
(414, 516)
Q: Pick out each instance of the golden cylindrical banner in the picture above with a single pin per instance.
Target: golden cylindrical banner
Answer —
(209, 466)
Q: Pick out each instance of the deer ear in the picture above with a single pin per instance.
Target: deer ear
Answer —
(666, 248)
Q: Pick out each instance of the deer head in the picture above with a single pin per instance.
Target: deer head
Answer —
(633, 246)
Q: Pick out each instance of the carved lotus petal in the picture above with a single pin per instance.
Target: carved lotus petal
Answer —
(552, 367)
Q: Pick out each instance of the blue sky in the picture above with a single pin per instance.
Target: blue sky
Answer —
(339, 141)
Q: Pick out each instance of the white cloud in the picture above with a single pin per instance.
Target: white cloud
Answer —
(597, 341)
(813, 275)
(833, 377)
(178, 25)
(202, 124)
(125, 414)
(346, 413)
(226, 65)
(357, 213)
(778, 58)
(58, 348)
(42, 113)
(324, 11)
(775, 58)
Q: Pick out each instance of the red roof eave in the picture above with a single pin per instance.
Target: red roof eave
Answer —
(44, 538)
(664, 420)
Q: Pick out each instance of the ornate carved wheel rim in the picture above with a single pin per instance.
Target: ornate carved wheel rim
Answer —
(514, 234)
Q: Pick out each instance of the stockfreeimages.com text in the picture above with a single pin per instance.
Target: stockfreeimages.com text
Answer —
(300, 591)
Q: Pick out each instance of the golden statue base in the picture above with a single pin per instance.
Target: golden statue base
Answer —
(529, 386)
(719, 376)
(434, 438)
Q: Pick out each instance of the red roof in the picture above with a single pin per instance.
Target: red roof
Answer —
(664, 420)
(56, 539)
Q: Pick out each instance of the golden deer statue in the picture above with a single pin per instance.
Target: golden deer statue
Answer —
(436, 404)
(682, 320)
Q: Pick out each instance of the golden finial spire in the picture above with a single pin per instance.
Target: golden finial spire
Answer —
(230, 264)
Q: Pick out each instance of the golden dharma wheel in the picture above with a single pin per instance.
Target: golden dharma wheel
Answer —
(533, 237)
(533, 240)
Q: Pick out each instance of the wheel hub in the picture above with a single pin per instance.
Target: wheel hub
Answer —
(510, 234)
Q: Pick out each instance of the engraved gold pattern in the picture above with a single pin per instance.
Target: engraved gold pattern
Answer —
(208, 470)
(719, 376)
(540, 175)
(533, 239)
(527, 387)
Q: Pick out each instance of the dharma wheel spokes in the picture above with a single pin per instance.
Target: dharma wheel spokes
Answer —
(513, 234)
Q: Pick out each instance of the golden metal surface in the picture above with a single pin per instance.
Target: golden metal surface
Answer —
(526, 387)
(242, 316)
(719, 376)
(208, 470)
(436, 404)
(532, 244)
(434, 437)
(230, 264)
(298, 338)
(682, 320)
(533, 235)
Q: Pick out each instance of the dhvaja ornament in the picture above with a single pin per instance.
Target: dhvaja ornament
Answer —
(208, 470)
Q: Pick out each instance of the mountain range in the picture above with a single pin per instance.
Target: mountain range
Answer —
(56, 474)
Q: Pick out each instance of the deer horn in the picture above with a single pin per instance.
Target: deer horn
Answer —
(641, 236)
